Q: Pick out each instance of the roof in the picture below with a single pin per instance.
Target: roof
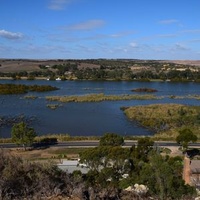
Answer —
(71, 165)
(195, 166)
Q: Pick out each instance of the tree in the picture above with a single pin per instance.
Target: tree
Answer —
(22, 134)
(111, 139)
(185, 136)
(95, 158)
(161, 177)
(144, 146)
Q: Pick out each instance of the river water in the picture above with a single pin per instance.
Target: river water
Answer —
(86, 119)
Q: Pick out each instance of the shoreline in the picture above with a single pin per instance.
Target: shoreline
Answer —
(110, 80)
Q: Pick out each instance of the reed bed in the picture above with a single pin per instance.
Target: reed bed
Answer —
(166, 119)
(99, 97)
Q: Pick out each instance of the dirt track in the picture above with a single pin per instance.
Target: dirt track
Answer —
(186, 170)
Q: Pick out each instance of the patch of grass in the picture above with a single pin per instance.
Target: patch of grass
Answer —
(30, 97)
(53, 106)
(67, 151)
(5, 140)
(144, 90)
(99, 97)
(60, 137)
(21, 89)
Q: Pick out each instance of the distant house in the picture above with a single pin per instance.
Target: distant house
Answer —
(195, 173)
(191, 172)
(72, 165)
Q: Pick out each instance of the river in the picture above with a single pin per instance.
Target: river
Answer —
(87, 119)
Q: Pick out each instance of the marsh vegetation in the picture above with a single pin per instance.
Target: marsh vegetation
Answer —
(7, 89)
(99, 97)
(166, 118)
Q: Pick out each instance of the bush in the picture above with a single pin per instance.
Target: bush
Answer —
(111, 139)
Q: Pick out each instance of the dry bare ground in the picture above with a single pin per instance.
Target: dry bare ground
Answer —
(54, 153)
(16, 65)
(186, 62)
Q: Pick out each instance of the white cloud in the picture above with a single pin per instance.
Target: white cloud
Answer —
(10, 35)
(134, 45)
(87, 25)
(168, 21)
(59, 4)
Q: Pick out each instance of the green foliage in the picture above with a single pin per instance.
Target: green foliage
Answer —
(109, 69)
(99, 97)
(21, 89)
(41, 88)
(185, 136)
(111, 139)
(141, 164)
(12, 89)
(161, 177)
(22, 134)
(165, 118)
(144, 146)
(95, 158)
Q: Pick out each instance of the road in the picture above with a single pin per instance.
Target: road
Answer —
(84, 144)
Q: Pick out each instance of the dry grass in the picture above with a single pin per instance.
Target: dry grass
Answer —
(17, 65)
(186, 62)
(51, 153)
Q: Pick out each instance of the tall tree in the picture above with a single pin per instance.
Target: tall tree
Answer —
(161, 177)
(22, 134)
(185, 136)
(111, 139)
(144, 146)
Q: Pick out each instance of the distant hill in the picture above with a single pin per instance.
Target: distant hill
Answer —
(185, 62)
(16, 65)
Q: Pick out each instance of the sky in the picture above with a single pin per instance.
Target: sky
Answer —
(92, 29)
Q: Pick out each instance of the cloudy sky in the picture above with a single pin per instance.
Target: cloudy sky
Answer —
(80, 29)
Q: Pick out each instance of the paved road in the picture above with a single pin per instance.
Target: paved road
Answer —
(84, 144)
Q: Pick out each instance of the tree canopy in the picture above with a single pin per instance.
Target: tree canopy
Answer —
(185, 136)
(120, 168)
(22, 134)
(111, 139)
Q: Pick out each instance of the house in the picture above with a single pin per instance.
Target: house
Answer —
(72, 165)
(191, 172)
(195, 173)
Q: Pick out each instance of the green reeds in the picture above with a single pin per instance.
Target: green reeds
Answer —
(99, 97)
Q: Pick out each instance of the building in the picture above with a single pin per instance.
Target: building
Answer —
(191, 172)
(72, 165)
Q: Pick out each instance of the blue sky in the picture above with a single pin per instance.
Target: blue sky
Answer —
(81, 29)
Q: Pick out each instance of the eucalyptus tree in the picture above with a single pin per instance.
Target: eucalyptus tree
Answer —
(22, 134)
(111, 139)
(185, 136)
